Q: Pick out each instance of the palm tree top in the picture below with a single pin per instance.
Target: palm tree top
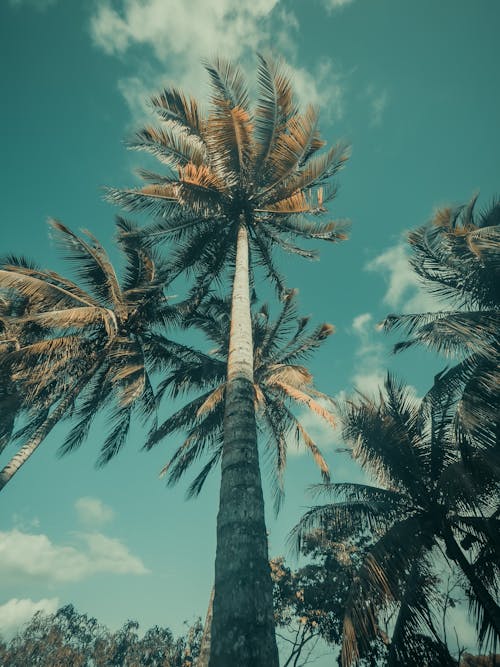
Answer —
(280, 382)
(260, 166)
(102, 333)
(456, 255)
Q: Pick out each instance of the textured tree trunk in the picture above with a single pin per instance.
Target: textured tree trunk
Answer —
(490, 607)
(19, 459)
(242, 625)
(204, 655)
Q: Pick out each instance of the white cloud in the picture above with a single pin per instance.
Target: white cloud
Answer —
(404, 292)
(16, 613)
(377, 100)
(336, 4)
(26, 555)
(179, 44)
(369, 366)
(188, 29)
(93, 511)
(323, 89)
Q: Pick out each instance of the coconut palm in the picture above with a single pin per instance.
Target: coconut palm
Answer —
(426, 503)
(279, 384)
(457, 256)
(237, 180)
(86, 348)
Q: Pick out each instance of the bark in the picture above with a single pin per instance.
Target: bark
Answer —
(24, 453)
(204, 656)
(490, 607)
(243, 624)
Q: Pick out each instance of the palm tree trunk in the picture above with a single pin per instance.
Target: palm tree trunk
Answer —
(242, 625)
(24, 453)
(19, 459)
(490, 607)
(204, 655)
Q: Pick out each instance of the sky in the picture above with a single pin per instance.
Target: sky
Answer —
(412, 86)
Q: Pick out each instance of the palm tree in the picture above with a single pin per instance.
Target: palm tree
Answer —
(425, 501)
(278, 380)
(457, 257)
(279, 383)
(238, 179)
(85, 348)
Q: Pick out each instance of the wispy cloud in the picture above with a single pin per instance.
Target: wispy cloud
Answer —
(336, 4)
(16, 613)
(34, 556)
(93, 512)
(189, 29)
(370, 357)
(178, 44)
(404, 292)
(377, 101)
(324, 89)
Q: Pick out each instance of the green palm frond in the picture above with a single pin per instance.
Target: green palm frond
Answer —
(278, 387)
(92, 347)
(259, 165)
(381, 579)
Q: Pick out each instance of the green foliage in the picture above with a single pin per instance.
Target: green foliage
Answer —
(70, 639)
(425, 500)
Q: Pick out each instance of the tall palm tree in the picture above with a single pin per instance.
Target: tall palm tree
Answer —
(237, 179)
(457, 256)
(86, 348)
(280, 382)
(426, 503)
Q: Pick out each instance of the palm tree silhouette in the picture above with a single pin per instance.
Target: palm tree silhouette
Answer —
(427, 502)
(85, 348)
(456, 256)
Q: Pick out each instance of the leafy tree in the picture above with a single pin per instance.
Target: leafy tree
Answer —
(70, 639)
(82, 349)
(425, 501)
(238, 179)
(310, 602)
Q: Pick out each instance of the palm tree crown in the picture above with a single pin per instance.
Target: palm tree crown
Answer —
(235, 165)
(279, 381)
(83, 348)
(457, 257)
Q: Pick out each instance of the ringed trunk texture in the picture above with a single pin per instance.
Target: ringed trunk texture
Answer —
(242, 625)
(490, 607)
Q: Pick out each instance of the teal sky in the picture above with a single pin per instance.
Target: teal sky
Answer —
(413, 86)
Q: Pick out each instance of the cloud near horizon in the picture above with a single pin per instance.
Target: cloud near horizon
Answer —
(34, 556)
(16, 613)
